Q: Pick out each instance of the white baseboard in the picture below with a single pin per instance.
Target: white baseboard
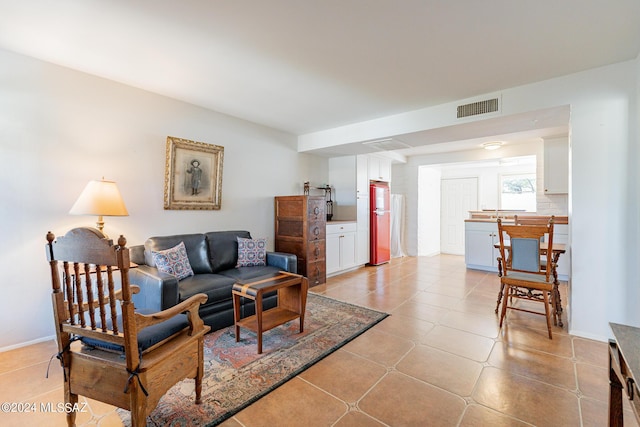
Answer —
(24, 344)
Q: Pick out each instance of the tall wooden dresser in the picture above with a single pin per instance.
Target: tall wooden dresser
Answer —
(301, 224)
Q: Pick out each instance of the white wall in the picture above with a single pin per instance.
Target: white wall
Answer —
(424, 193)
(342, 179)
(61, 128)
(488, 179)
(604, 185)
(429, 206)
(427, 240)
(633, 208)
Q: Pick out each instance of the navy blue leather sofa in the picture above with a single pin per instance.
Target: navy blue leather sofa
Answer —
(213, 257)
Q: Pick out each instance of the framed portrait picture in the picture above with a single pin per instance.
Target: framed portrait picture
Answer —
(193, 175)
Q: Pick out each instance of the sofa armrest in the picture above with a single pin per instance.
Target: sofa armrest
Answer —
(158, 291)
(136, 254)
(284, 261)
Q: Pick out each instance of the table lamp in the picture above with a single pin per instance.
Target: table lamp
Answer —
(100, 198)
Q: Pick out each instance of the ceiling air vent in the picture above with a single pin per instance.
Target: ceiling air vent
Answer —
(480, 107)
(387, 144)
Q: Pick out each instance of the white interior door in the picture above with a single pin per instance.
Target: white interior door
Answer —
(458, 197)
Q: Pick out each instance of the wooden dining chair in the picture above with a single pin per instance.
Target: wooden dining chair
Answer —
(524, 220)
(108, 351)
(524, 277)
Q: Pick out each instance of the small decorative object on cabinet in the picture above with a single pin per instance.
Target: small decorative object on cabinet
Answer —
(301, 229)
(327, 195)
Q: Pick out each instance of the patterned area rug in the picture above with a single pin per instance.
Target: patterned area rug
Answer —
(236, 376)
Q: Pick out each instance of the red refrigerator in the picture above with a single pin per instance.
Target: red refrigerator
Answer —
(380, 223)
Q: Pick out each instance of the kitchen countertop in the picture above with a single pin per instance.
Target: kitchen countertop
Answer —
(559, 219)
(505, 220)
(341, 221)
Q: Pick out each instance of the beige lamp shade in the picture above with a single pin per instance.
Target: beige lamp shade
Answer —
(100, 198)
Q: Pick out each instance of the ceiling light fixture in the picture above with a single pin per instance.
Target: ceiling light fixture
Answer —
(493, 145)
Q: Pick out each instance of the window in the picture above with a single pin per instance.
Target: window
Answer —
(518, 192)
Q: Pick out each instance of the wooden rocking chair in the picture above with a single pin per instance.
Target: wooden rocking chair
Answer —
(108, 351)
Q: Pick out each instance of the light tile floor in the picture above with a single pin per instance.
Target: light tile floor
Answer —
(438, 360)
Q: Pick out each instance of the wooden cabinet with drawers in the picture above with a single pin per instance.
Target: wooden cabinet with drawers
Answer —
(301, 230)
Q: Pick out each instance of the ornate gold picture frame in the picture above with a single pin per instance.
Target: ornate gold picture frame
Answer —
(193, 175)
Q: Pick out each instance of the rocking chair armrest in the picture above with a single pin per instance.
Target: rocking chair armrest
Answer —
(190, 306)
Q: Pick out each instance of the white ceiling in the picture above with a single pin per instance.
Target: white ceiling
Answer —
(308, 65)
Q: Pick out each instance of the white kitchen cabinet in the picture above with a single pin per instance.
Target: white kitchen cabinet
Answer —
(362, 230)
(479, 250)
(332, 256)
(556, 166)
(362, 175)
(379, 168)
(341, 246)
(362, 247)
(348, 250)
(362, 209)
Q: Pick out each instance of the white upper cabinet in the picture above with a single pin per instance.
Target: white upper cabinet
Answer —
(379, 168)
(362, 176)
(556, 166)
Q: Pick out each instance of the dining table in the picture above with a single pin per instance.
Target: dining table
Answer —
(557, 249)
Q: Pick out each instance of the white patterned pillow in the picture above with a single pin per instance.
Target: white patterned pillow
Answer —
(173, 261)
(251, 252)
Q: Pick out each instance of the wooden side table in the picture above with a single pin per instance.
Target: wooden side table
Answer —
(292, 301)
(624, 371)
